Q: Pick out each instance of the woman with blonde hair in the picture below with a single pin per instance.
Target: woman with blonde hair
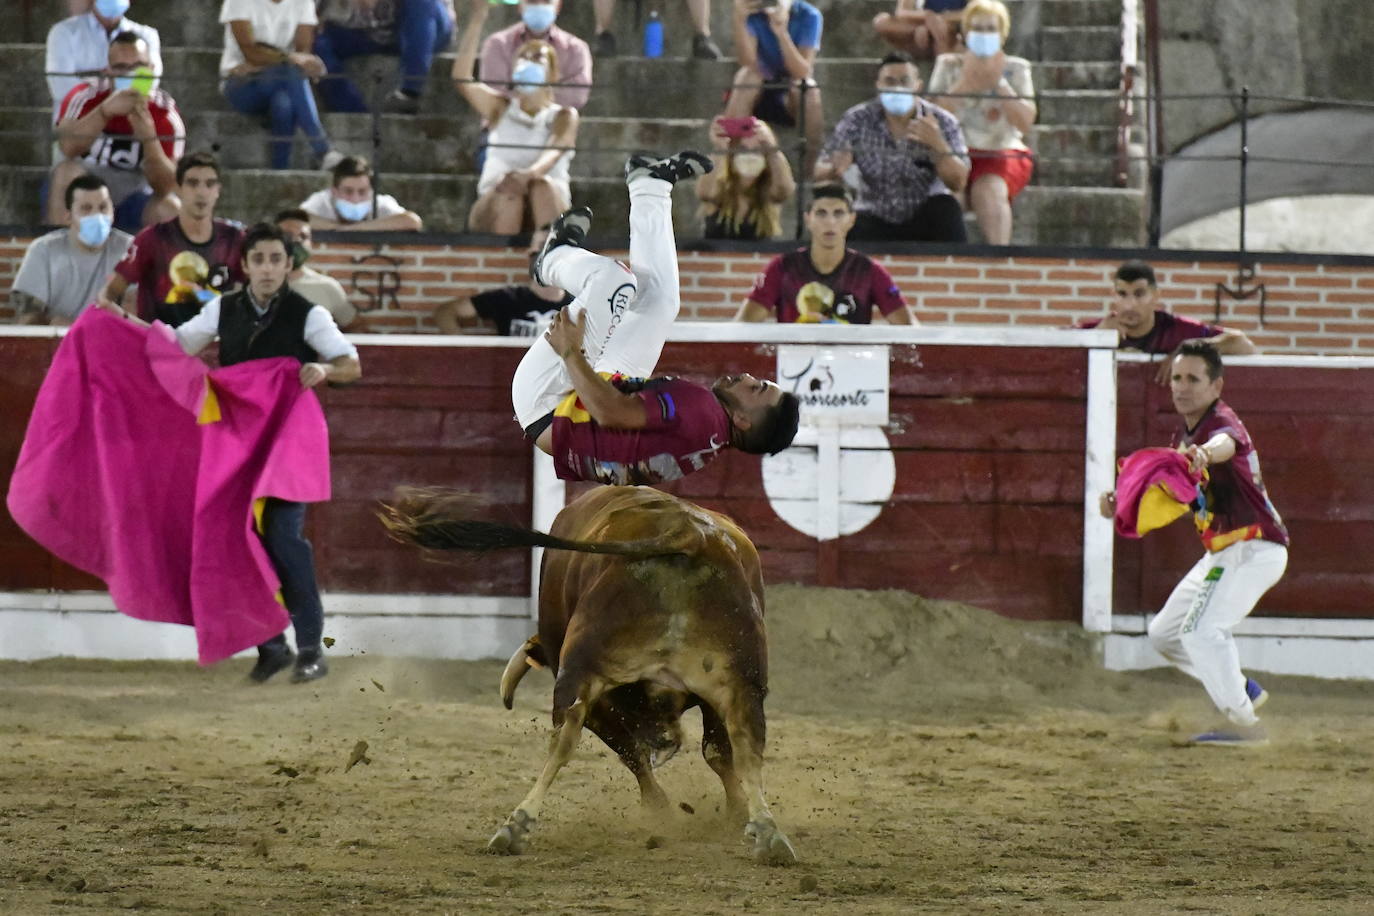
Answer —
(742, 198)
(991, 94)
(524, 182)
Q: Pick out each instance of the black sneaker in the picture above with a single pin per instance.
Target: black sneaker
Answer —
(605, 45)
(271, 659)
(569, 229)
(703, 48)
(684, 166)
(310, 666)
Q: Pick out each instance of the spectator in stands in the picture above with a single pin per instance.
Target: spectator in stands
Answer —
(63, 271)
(266, 69)
(908, 157)
(350, 203)
(80, 44)
(317, 287)
(414, 30)
(181, 264)
(825, 282)
(524, 181)
(992, 96)
(1138, 316)
(776, 42)
(130, 138)
(515, 311)
(742, 197)
(921, 28)
(703, 47)
(500, 50)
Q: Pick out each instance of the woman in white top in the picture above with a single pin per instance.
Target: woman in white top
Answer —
(524, 182)
(992, 96)
(266, 69)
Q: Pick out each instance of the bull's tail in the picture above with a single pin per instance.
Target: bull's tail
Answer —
(438, 518)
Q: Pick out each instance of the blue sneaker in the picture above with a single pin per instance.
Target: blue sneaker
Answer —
(1257, 694)
(1232, 737)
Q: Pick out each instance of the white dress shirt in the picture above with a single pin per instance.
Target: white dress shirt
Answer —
(321, 333)
(80, 44)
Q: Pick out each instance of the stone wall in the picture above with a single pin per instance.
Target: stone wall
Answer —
(1312, 307)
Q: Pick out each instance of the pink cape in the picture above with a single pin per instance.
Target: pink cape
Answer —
(1153, 487)
(117, 477)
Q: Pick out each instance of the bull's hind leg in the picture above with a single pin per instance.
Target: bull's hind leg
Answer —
(511, 838)
(745, 724)
(715, 748)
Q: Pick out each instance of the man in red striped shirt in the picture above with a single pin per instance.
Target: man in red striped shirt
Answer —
(125, 130)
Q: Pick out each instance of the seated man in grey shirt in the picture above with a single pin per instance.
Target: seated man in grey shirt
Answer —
(63, 271)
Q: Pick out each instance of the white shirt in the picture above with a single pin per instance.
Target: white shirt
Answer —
(320, 205)
(322, 289)
(321, 333)
(273, 24)
(80, 44)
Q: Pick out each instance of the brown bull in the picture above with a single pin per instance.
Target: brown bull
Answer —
(649, 605)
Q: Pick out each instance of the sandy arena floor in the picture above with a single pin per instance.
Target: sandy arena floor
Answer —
(923, 757)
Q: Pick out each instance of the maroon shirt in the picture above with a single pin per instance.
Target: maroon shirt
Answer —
(686, 428)
(1234, 506)
(148, 262)
(847, 294)
(1169, 331)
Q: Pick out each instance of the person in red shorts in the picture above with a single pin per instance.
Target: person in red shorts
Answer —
(826, 282)
(583, 392)
(181, 264)
(991, 94)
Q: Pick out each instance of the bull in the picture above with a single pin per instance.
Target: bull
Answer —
(649, 605)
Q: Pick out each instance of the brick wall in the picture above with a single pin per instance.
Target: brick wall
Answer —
(1311, 308)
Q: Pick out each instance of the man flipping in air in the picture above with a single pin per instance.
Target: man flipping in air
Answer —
(583, 392)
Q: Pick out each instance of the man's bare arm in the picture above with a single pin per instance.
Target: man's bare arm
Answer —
(610, 407)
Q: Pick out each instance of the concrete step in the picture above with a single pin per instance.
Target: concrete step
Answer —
(847, 29)
(1068, 154)
(1043, 215)
(1095, 43)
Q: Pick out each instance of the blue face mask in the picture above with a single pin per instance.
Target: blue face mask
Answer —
(538, 17)
(353, 212)
(123, 82)
(983, 44)
(93, 229)
(112, 9)
(528, 76)
(897, 104)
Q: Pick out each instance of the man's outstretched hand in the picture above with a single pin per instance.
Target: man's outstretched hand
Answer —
(565, 335)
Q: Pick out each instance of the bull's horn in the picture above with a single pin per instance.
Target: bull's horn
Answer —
(515, 670)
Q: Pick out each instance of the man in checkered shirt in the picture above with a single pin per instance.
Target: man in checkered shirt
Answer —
(910, 158)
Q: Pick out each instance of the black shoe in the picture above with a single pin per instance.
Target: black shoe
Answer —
(270, 661)
(310, 666)
(605, 45)
(569, 229)
(684, 166)
(401, 102)
(703, 48)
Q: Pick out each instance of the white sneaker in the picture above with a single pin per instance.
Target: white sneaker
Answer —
(330, 159)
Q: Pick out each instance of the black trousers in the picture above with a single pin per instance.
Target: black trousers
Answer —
(294, 560)
(939, 219)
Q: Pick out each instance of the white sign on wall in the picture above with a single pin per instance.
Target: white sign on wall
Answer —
(844, 386)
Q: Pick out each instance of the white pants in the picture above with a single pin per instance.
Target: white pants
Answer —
(1193, 631)
(629, 309)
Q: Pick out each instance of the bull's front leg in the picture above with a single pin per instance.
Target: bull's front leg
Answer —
(513, 835)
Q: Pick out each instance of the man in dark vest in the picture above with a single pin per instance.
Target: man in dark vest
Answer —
(267, 319)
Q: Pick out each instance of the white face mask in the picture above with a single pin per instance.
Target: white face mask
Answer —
(748, 165)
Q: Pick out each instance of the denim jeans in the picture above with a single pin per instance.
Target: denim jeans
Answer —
(423, 29)
(283, 94)
(294, 560)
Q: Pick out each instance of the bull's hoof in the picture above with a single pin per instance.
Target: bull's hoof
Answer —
(511, 838)
(771, 846)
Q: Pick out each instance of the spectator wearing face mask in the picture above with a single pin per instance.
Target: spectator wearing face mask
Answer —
(742, 197)
(524, 181)
(906, 157)
(80, 44)
(413, 30)
(316, 287)
(62, 272)
(992, 96)
(351, 204)
(501, 50)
